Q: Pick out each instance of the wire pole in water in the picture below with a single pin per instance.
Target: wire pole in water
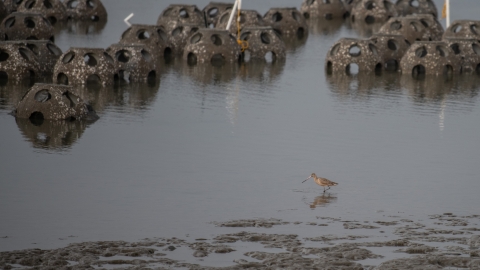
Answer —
(446, 12)
(238, 4)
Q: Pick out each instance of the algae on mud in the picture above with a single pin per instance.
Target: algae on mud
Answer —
(285, 251)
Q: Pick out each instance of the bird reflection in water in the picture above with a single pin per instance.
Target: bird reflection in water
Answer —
(322, 200)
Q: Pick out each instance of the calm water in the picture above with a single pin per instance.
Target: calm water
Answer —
(210, 144)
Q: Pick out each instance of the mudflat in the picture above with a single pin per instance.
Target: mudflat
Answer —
(440, 241)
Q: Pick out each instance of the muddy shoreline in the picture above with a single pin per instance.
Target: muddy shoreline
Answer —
(447, 242)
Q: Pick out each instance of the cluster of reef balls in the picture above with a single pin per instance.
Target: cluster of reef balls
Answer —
(28, 52)
(409, 40)
(181, 30)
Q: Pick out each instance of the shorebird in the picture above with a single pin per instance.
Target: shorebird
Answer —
(324, 182)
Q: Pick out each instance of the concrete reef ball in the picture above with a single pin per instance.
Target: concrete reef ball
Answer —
(372, 11)
(79, 66)
(288, 22)
(469, 51)
(327, 9)
(436, 28)
(213, 46)
(23, 26)
(4, 11)
(53, 10)
(349, 56)
(17, 63)
(391, 49)
(154, 37)
(133, 63)
(213, 10)
(410, 7)
(463, 29)
(11, 5)
(52, 102)
(178, 37)
(247, 18)
(175, 15)
(430, 58)
(263, 43)
(92, 10)
(46, 53)
(413, 28)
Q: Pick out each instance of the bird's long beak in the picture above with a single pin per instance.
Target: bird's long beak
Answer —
(306, 179)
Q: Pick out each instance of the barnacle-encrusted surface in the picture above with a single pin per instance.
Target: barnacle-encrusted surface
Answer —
(92, 10)
(409, 7)
(348, 51)
(27, 25)
(288, 22)
(53, 102)
(430, 57)
(262, 40)
(329, 10)
(133, 63)
(175, 15)
(83, 65)
(211, 45)
(17, 62)
(463, 29)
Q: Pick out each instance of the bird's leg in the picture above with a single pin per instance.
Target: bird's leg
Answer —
(323, 189)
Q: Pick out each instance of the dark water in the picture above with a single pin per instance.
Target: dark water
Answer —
(210, 144)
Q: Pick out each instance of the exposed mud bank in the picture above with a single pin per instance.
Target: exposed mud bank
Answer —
(451, 242)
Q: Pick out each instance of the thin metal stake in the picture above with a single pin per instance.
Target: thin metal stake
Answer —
(448, 12)
(232, 14)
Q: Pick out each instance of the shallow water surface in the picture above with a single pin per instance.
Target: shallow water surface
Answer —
(215, 144)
